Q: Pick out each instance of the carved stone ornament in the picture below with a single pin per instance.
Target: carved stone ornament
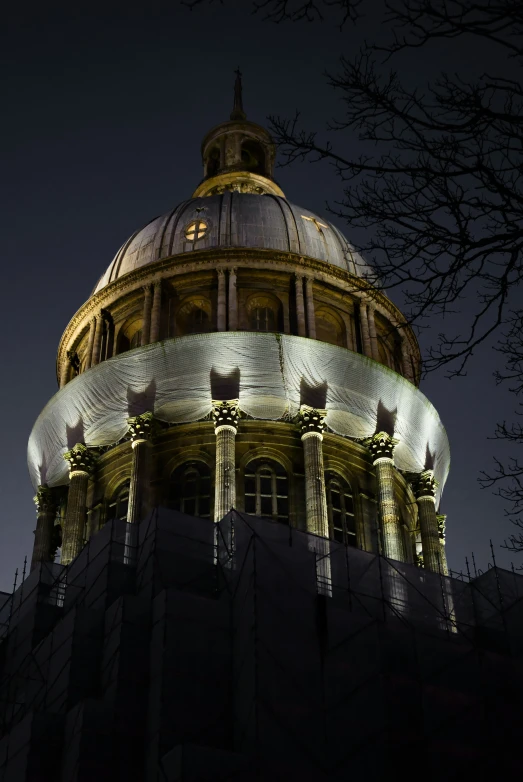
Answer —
(142, 427)
(225, 413)
(426, 484)
(311, 420)
(45, 499)
(381, 445)
(81, 458)
(442, 519)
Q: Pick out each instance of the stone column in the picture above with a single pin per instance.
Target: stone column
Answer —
(300, 307)
(312, 423)
(156, 312)
(381, 446)
(424, 486)
(45, 502)
(81, 462)
(442, 520)
(372, 333)
(141, 428)
(221, 324)
(147, 303)
(90, 343)
(233, 301)
(95, 358)
(364, 329)
(311, 318)
(226, 415)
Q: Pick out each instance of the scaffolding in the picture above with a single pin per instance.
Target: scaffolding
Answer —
(182, 645)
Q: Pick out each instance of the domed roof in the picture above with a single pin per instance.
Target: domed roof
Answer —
(235, 220)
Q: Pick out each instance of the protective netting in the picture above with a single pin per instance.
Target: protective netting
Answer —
(174, 380)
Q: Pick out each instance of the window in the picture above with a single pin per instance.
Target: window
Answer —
(194, 316)
(196, 230)
(340, 508)
(329, 328)
(117, 507)
(266, 490)
(197, 321)
(190, 490)
(262, 319)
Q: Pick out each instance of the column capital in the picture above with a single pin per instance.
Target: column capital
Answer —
(220, 272)
(141, 427)
(311, 421)
(148, 289)
(225, 413)
(442, 521)
(381, 446)
(425, 485)
(81, 458)
(72, 357)
(44, 499)
(299, 276)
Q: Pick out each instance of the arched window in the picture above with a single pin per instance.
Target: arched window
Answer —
(264, 313)
(329, 328)
(190, 489)
(267, 490)
(130, 336)
(118, 505)
(197, 321)
(194, 316)
(263, 319)
(340, 508)
(253, 157)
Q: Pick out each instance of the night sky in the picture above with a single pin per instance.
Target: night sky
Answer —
(103, 115)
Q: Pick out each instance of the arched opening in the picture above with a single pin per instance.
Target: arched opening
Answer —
(340, 509)
(190, 489)
(213, 161)
(253, 157)
(329, 328)
(267, 490)
(130, 335)
(119, 503)
(194, 317)
(264, 313)
(389, 349)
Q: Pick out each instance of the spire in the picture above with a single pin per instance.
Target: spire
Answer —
(237, 111)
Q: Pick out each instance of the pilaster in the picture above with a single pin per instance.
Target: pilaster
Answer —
(233, 301)
(300, 307)
(156, 312)
(311, 318)
(371, 315)
(221, 319)
(364, 328)
(147, 305)
(95, 358)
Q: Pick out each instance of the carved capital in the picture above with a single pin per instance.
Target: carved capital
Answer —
(45, 499)
(381, 446)
(81, 458)
(72, 357)
(225, 413)
(142, 427)
(311, 420)
(442, 520)
(425, 485)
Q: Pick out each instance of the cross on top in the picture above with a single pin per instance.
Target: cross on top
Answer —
(317, 223)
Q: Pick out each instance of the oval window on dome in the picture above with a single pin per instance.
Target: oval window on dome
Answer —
(195, 230)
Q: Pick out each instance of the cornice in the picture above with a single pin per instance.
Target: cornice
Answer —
(214, 258)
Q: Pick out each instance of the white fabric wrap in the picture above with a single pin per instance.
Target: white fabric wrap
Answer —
(173, 380)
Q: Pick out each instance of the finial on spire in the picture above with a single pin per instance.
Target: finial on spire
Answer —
(237, 111)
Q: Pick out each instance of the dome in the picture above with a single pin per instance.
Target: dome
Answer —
(234, 219)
